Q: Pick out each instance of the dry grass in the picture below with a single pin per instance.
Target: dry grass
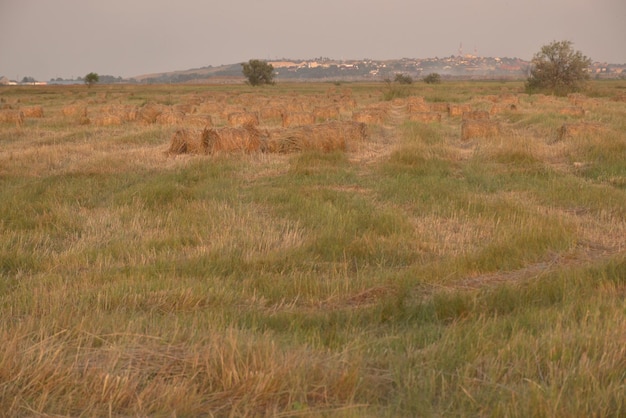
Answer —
(9, 116)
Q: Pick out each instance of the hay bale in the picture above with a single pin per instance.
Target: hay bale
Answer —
(573, 111)
(242, 119)
(418, 107)
(170, 117)
(12, 116)
(370, 116)
(230, 139)
(324, 137)
(33, 112)
(326, 113)
(291, 119)
(573, 130)
(201, 121)
(106, 120)
(149, 113)
(75, 110)
(425, 117)
(476, 115)
(479, 129)
(186, 141)
(502, 107)
(439, 107)
(459, 109)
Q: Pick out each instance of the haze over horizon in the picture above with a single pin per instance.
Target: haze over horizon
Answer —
(70, 38)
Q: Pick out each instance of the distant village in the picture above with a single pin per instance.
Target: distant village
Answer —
(468, 67)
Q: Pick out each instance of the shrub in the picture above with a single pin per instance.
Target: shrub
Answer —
(433, 78)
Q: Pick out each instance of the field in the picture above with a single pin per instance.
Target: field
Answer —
(313, 249)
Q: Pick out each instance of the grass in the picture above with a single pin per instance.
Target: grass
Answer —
(416, 275)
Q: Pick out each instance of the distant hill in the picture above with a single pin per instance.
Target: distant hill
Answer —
(325, 69)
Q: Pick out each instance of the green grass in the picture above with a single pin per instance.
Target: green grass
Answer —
(417, 275)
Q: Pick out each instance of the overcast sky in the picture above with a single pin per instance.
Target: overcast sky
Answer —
(68, 38)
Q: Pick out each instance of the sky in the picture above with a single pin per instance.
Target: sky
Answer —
(46, 39)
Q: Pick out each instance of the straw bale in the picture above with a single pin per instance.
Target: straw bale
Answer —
(187, 141)
(148, 113)
(502, 107)
(185, 108)
(271, 112)
(199, 120)
(508, 98)
(370, 116)
(326, 112)
(12, 116)
(439, 107)
(79, 110)
(231, 139)
(170, 117)
(106, 120)
(479, 129)
(476, 115)
(324, 137)
(426, 117)
(572, 111)
(242, 119)
(291, 119)
(210, 107)
(33, 112)
(578, 129)
(459, 109)
(418, 107)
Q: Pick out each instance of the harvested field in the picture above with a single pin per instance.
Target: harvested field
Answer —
(576, 111)
(476, 115)
(32, 111)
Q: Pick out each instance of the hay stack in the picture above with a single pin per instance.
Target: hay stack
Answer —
(439, 107)
(418, 107)
(33, 112)
(243, 119)
(479, 129)
(106, 120)
(149, 113)
(458, 109)
(572, 130)
(230, 139)
(75, 110)
(573, 111)
(476, 115)
(170, 117)
(198, 120)
(326, 113)
(186, 141)
(12, 116)
(291, 119)
(370, 116)
(325, 137)
(502, 107)
(425, 117)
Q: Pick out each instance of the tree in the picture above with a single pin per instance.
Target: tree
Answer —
(91, 79)
(558, 69)
(403, 79)
(432, 78)
(258, 72)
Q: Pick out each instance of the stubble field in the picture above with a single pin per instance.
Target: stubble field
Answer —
(312, 250)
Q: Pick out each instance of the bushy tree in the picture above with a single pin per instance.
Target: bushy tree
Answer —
(432, 78)
(91, 79)
(258, 72)
(403, 79)
(558, 69)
